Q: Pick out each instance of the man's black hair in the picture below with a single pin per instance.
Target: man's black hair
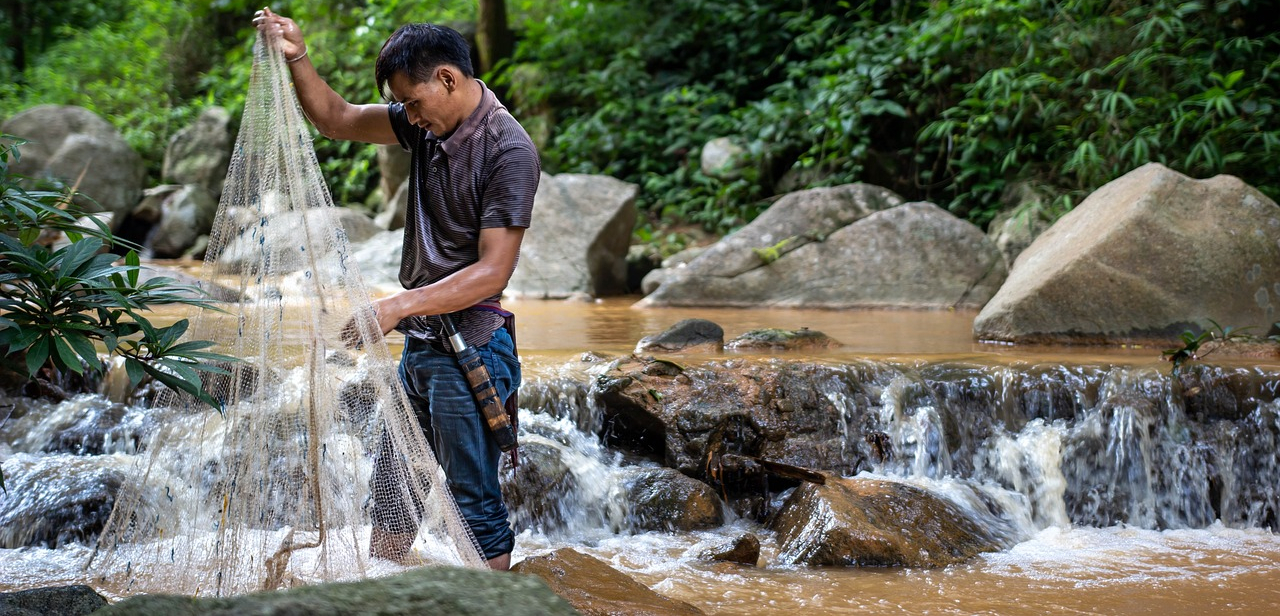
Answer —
(417, 50)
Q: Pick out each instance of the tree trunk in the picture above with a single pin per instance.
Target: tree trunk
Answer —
(493, 37)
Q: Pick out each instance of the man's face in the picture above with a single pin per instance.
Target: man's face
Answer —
(428, 104)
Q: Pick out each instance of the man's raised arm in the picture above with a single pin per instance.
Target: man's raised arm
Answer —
(332, 115)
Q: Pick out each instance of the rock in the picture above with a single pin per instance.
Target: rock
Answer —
(200, 152)
(1013, 234)
(29, 516)
(915, 255)
(246, 249)
(67, 141)
(745, 550)
(378, 259)
(686, 335)
(535, 491)
(664, 499)
(429, 590)
(864, 522)
(782, 340)
(578, 239)
(594, 588)
(655, 278)
(140, 222)
(393, 166)
(77, 600)
(186, 214)
(1145, 257)
(722, 159)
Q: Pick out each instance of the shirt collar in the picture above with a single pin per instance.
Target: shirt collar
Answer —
(488, 101)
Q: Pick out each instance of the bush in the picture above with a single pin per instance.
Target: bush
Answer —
(59, 303)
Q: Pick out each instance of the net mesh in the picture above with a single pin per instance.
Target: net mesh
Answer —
(278, 489)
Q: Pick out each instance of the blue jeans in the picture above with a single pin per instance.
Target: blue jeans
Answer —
(450, 418)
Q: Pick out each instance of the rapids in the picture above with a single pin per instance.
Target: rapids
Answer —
(1103, 478)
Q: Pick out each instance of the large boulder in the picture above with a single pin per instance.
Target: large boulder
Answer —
(915, 255)
(200, 152)
(76, 147)
(185, 215)
(594, 588)
(247, 249)
(579, 237)
(1144, 258)
(378, 259)
(429, 590)
(867, 522)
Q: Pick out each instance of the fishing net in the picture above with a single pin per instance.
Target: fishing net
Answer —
(278, 488)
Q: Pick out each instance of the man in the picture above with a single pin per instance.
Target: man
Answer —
(473, 176)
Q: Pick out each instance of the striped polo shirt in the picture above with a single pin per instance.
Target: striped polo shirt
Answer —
(483, 175)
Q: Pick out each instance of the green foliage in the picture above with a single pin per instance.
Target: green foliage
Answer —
(953, 102)
(59, 303)
(1192, 343)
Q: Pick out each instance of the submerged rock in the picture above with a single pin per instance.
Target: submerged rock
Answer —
(77, 600)
(745, 550)
(664, 499)
(596, 589)
(431, 590)
(1144, 258)
(686, 335)
(863, 522)
(782, 340)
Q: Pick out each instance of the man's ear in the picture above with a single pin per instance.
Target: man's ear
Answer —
(446, 76)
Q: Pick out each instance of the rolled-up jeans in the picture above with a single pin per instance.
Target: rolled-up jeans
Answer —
(459, 436)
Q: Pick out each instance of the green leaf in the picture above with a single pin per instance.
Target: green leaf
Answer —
(135, 369)
(66, 357)
(133, 263)
(37, 354)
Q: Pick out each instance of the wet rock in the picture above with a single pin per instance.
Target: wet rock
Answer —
(535, 491)
(33, 515)
(77, 600)
(200, 152)
(578, 239)
(596, 589)
(782, 340)
(430, 590)
(245, 251)
(1144, 258)
(664, 499)
(914, 255)
(65, 141)
(186, 215)
(686, 335)
(745, 550)
(861, 522)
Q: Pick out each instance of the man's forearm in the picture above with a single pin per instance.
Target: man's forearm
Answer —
(322, 105)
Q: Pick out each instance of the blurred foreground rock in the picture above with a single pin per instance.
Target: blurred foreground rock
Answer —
(77, 600)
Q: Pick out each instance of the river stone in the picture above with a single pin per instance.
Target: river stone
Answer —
(745, 551)
(685, 335)
(722, 159)
(596, 589)
(1145, 257)
(578, 239)
(66, 141)
(428, 590)
(29, 516)
(915, 255)
(186, 214)
(76, 600)
(863, 522)
(537, 491)
(665, 499)
(200, 152)
(773, 339)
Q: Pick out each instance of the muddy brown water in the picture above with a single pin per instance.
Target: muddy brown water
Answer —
(1073, 570)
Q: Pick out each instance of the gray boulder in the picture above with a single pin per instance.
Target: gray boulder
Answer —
(393, 165)
(246, 250)
(1145, 257)
(579, 237)
(378, 259)
(200, 152)
(722, 159)
(429, 590)
(185, 214)
(68, 141)
(1012, 234)
(915, 255)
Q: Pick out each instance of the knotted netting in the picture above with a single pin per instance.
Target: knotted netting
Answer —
(278, 489)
